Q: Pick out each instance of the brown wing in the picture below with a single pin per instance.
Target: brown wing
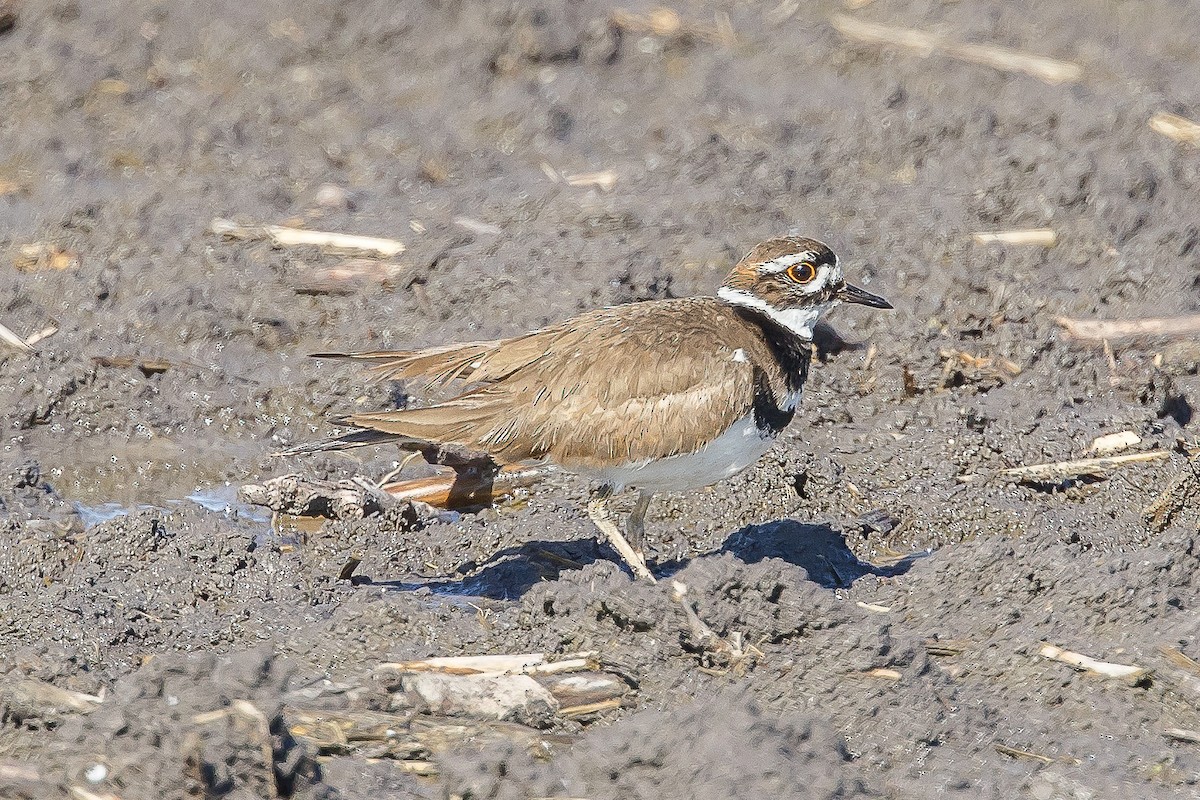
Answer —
(597, 388)
(470, 362)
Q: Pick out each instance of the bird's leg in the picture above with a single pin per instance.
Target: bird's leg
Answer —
(635, 524)
(600, 514)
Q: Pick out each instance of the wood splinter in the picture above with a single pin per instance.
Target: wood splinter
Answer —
(282, 236)
(1089, 664)
(1101, 329)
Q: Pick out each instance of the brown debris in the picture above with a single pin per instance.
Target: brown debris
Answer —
(43, 256)
(299, 496)
(411, 740)
(978, 367)
(1180, 492)
(148, 366)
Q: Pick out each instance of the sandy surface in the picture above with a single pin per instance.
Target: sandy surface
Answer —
(892, 591)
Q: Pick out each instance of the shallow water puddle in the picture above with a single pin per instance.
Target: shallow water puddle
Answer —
(222, 500)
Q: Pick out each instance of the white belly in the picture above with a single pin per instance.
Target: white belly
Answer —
(723, 457)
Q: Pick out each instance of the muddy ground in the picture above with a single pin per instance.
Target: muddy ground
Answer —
(891, 590)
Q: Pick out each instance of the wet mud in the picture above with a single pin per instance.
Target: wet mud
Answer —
(883, 590)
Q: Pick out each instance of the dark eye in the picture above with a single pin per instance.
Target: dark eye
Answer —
(803, 272)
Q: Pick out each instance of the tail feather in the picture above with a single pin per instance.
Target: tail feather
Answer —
(361, 437)
(447, 434)
(438, 366)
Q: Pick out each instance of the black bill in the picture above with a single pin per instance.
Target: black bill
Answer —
(853, 294)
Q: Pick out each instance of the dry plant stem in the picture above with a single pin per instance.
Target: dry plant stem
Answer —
(1062, 470)
(298, 237)
(1049, 70)
(704, 635)
(13, 340)
(1182, 735)
(1042, 237)
(1181, 129)
(1080, 661)
(528, 663)
(1100, 329)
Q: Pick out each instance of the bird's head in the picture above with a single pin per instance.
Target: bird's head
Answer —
(793, 281)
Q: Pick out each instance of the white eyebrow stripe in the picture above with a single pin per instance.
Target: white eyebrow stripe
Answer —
(783, 262)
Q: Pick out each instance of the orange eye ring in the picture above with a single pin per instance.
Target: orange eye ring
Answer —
(802, 273)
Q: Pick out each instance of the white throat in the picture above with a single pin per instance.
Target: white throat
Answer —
(799, 321)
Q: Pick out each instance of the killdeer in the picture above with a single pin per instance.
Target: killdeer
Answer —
(663, 395)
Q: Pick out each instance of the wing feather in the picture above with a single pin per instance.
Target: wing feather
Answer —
(555, 394)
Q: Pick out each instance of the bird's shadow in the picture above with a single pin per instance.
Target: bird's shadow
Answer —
(819, 549)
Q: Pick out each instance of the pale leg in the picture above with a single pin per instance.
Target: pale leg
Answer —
(598, 510)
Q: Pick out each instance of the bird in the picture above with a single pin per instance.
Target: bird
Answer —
(659, 396)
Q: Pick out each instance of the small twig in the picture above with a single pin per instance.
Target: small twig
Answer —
(604, 180)
(1013, 752)
(885, 673)
(1042, 237)
(1182, 735)
(1089, 664)
(1100, 329)
(44, 333)
(591, 708)
(1181, 129)
(1049, 70)
(1113, 378)
(878, 609)
(297, 237)
(1062, 470)
(945, 647)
